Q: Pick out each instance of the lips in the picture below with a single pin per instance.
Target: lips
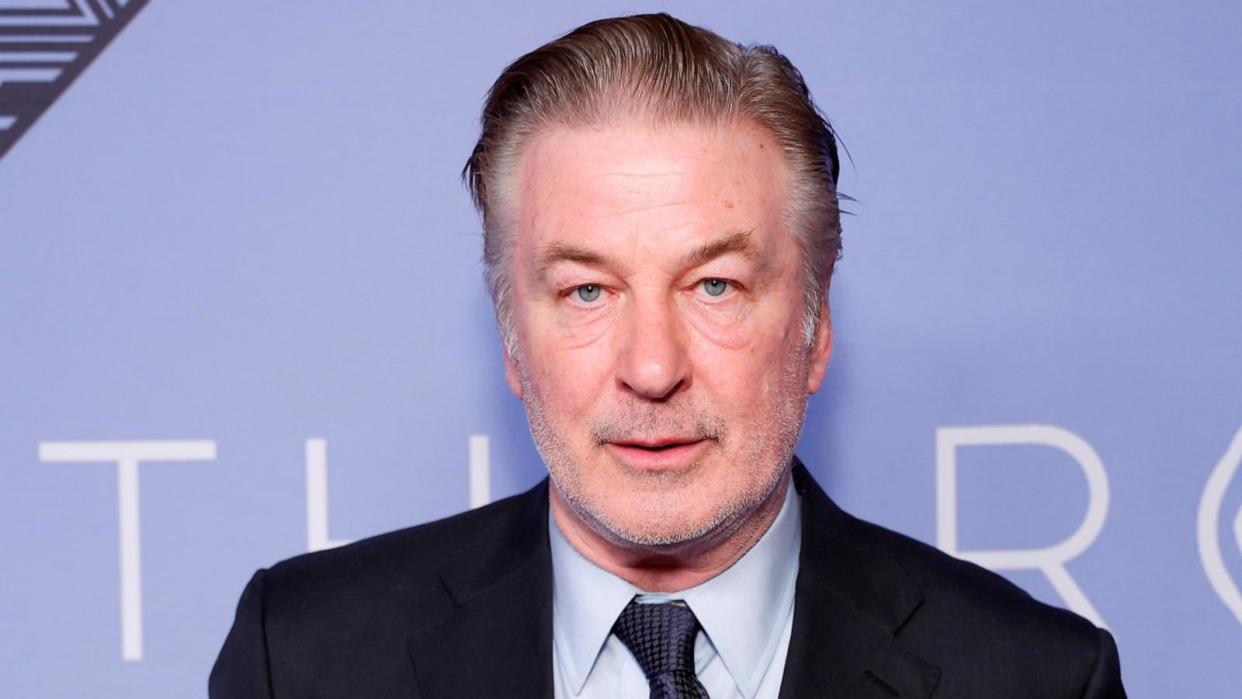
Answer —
(656, 444)
(657, 454)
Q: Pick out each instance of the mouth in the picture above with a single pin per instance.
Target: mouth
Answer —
(658, 454)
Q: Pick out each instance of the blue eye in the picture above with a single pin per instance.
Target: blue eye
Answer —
(715, 287)
(588, 292)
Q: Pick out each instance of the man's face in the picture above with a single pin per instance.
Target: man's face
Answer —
(657, 300)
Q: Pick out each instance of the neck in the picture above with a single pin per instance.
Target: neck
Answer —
(673, 568)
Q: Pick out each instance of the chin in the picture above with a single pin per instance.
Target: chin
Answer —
(663, 520)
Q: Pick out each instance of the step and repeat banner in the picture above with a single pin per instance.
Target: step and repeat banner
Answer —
(242, 313)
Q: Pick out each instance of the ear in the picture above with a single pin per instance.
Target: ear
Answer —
(821, 349)
(511, 374)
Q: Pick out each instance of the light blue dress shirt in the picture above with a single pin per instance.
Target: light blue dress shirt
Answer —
(746, 613)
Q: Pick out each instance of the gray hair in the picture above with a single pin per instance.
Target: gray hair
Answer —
(661, 68)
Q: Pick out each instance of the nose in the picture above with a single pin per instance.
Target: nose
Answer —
(653, 361)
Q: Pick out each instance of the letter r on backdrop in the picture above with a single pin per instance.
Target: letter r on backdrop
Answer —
(1051, 559)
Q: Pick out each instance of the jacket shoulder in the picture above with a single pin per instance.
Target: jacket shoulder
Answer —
(972, 618)
(953, 585)
(398, 563)
(336, 622)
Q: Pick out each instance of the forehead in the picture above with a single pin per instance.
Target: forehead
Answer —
(633, 179)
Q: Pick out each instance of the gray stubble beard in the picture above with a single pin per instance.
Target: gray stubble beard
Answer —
(727, 519)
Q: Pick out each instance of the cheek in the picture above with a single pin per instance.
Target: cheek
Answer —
(748, 376)
(732, 378)
(747, 351)
(557, 356)
(566, 380)
(558, 325)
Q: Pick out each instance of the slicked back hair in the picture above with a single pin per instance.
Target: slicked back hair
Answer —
(658, 68)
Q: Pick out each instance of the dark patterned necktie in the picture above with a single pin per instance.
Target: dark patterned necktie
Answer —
(661, 637)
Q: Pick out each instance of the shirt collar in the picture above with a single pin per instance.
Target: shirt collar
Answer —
(743, 610)
(586, 602)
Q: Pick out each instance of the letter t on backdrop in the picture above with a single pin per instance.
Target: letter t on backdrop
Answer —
(126, 456)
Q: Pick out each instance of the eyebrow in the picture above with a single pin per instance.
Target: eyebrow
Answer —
(737, 241)
(553, 253)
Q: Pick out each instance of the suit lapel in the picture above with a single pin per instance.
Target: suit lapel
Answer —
(851, 601)
(494, 639)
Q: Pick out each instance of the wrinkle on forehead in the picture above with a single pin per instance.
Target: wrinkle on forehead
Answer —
(621, 136)
(626, 187)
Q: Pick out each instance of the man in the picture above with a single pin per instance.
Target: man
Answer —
(661, 224)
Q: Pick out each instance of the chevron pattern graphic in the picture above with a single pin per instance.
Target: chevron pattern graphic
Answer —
(44, 46)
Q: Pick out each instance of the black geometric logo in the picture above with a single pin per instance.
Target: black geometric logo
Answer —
(44, 46)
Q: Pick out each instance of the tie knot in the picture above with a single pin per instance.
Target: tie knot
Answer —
(661, 637)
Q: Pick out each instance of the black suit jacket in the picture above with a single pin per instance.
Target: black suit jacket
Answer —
(462, 607)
